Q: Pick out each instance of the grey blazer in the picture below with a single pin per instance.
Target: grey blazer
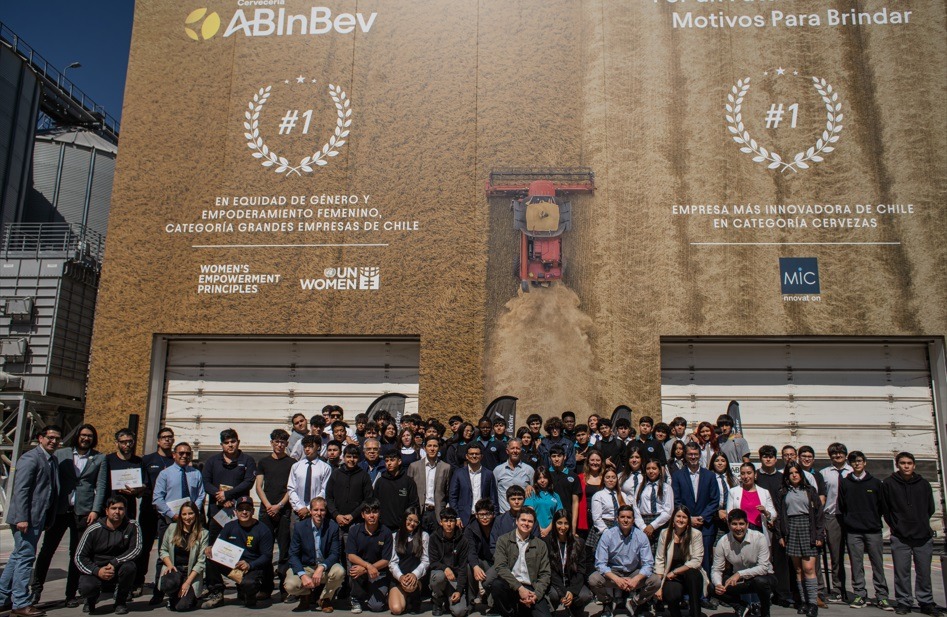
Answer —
(442, 473)
(32, 499)
(91, 485)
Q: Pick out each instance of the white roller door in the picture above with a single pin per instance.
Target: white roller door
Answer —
(872, 396)
(255, 385)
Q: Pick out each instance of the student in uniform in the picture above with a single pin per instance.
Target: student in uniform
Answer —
(448, 555)
(720, 465)
(544, 501)
(408, 564)
(369, 547)
(567, 565)
(633, 474)
(801, 524)
(654, 502)
(833, 475)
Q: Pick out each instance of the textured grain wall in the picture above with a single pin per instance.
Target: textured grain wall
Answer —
(441, 92)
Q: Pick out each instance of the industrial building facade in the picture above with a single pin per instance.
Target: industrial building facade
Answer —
(299, 217)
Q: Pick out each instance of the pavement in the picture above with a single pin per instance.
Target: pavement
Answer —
(53, 595)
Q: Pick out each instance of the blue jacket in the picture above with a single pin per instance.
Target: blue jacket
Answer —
(705, 504)
(459, 494)
(302, 547)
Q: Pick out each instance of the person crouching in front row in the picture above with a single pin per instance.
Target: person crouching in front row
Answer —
(106, 556)
(256, 541)
(315, 552)
(182, 553)
(523, 571)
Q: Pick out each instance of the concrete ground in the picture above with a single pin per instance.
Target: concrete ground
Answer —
(55, 588)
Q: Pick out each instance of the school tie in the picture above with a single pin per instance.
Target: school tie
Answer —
(615, 505)
(654, 497)
(722, 486)
(185, 491)
(307, 494)
(637, 480)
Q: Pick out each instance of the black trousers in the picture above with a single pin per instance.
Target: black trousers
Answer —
(148, 522)
(673, 592)
(506, 601)
(212, 574)
(579, 602)
(171, 584)
(762, 586)
(280, 528)
(75, 524)
(91, 586)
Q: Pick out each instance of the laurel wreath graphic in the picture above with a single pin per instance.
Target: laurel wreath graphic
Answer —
(280, 164)
(803, 159)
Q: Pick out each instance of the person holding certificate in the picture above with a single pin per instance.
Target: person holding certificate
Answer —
(244, 548)
(125, 472)
(178, 484)
(182, 553)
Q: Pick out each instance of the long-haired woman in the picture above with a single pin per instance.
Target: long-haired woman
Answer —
(801, 525)
(590, 482)
(457, 448)
(752, 499)
(654, 502)
(676, 460)
(706, 437)
(677, 561)
(633, 474)
(606, 502)
(182, 552)
(544, 500)
(567, 562)
(723, 475)
(409, 451)
(409, 563)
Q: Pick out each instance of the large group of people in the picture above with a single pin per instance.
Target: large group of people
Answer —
(383, 514)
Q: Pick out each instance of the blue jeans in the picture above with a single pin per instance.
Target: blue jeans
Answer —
(15, 581)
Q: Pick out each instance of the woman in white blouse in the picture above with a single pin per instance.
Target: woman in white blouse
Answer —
(633, 474)
(752, 499)
(606, 502)
(653, 502)
(408, 565)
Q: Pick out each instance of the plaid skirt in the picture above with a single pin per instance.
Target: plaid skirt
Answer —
(798, 543)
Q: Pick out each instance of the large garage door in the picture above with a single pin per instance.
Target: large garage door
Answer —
(256, 385)
(871, 396)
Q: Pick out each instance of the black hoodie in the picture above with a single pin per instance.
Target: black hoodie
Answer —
(909, 506)
(450, 553)
(346, 491)
(396, 494)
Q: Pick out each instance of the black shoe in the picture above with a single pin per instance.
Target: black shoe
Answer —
(156, 599)
(437, 611)
(781, 601)
(121, 609)
(710, 604)
(88, 608)
(72, 603)
(812, 610)
(902, 610)
(932, 610)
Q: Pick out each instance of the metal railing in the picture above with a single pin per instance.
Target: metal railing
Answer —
(51, 240)
(53, 77)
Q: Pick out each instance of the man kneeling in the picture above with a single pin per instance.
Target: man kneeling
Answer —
(623, 561)
(314, 555)
(742, 556)
(523, 571)
(106, 556)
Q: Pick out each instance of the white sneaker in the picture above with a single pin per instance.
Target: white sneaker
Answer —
(632, 603)
(356, 607)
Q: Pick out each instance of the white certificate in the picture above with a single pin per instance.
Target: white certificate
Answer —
(126, 478)
(176, 505)
(225, 553)
(224, 516)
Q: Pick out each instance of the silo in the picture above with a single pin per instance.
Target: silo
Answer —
(72, 179)
(19, 106)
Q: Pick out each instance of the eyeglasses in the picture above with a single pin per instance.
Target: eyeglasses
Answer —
(183, 453)
(125, 442)
(166, 438)
(484, 514)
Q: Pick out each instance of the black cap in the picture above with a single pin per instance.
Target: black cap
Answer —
(245, 500)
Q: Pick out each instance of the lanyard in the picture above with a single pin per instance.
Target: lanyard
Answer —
(563, 555)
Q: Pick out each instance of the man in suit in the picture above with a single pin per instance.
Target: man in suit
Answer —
(312, 566)
(697, 489)
(83, 487)
(432, 477)
(470, 484)
(32, 505)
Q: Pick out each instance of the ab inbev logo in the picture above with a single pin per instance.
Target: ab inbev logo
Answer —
(799, 279)
(359, 279)
(202, 24)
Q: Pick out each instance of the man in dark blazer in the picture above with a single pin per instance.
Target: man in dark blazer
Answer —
(461, 494)
(702, 505)
(309, 568)
(433, 495)
(32, 506)
(83, 487)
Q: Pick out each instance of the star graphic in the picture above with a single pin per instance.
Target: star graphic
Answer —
(765, 72)
(300, 80)
(313, 81)
(795, 73)
(780, 71)
(286, 81)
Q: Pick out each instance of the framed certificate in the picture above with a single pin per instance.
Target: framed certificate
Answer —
(176, 505)
(224, 516)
